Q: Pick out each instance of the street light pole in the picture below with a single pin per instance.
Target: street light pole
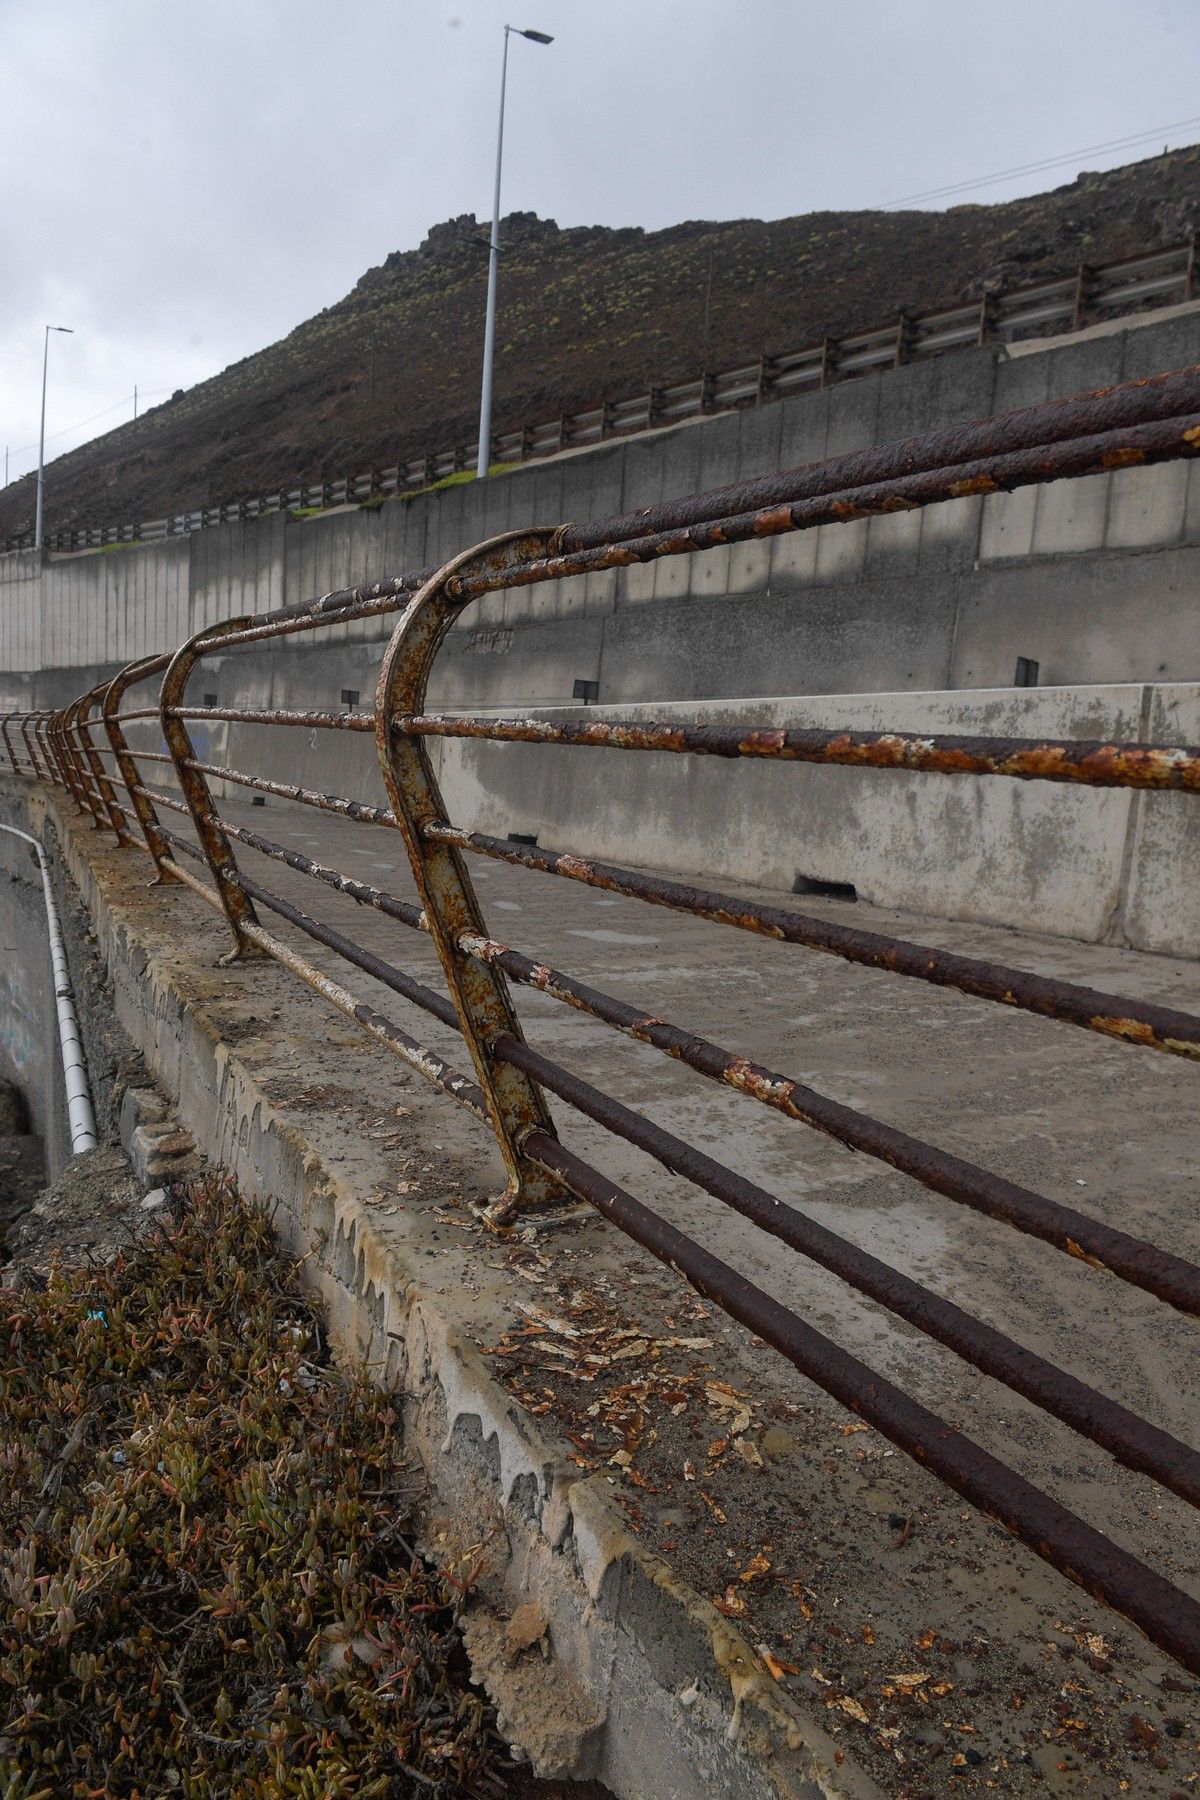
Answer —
(489, 330)
(37, 527)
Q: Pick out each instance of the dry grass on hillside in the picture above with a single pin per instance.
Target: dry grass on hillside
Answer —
(205, 1582)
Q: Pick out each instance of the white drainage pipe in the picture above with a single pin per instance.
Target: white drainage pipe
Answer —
(81, 1118)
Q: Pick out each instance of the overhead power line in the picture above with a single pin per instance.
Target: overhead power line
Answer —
(66, 430)
(1034, 168)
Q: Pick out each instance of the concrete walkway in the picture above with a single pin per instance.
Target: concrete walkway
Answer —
(823, 1543)
(919, 1648)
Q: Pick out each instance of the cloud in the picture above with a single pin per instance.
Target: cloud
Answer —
(182, 185)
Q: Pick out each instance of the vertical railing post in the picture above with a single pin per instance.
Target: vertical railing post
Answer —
(71, 745)
(61, 760)
(64, 758)
(515, 1103)
(8, 743)
(41, 731)
(83, 762)
(106, 793)
(29, 749)
(126, 761)
(218, 853)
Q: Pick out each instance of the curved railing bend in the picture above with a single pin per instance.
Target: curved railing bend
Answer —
(512, 1083)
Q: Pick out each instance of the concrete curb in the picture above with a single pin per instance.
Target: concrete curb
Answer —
(649, 1687)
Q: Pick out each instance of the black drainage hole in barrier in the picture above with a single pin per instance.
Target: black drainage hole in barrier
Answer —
(522, 837)
(258, 800)
(827, 890)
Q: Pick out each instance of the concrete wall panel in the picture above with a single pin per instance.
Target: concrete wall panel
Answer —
(1095, 580)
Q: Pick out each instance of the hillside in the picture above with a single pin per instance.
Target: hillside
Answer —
(585, 314)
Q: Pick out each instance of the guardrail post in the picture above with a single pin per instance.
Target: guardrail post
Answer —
(516, 1105)
(143, 808)
(107, 793)
(8, 743)
(30, 751)
(1083, 294)
(237, 905)
(41, 731)
(84, 763)
(62, 758)
(71, 746)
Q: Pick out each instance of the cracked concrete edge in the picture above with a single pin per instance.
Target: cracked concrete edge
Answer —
(654, 1692)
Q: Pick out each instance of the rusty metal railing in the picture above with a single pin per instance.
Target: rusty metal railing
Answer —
(511, 1082)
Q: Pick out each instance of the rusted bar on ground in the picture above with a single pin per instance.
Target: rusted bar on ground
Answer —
(1130, 1439)
(1136, 448)
(1142, 1022)
(1084, 763)
(1129, 404)
(1169, 1617)
(1169, 1277)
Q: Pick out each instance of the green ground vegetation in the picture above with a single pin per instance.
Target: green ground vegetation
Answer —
(206, 1583)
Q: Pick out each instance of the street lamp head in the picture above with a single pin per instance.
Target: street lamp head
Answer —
(535, 37)
(69, 329)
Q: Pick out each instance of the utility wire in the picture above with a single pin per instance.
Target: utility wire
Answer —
(66, 430)
(1033, 168)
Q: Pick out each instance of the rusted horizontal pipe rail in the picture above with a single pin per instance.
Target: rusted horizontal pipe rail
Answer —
(1169, 1277)
(241, 715)
(1133, 1441)
(1132, 403)
(334, 803)
(1106, 412)
(1138, 447)
(1083, 763)
(1169, 1617)
(1130, 1439)
(1142, 1022)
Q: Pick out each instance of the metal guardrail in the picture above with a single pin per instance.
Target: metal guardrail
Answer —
(85, 748)
(1056, 303)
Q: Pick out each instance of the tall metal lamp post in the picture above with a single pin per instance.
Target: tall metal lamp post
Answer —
(37, 528)
(489, 333)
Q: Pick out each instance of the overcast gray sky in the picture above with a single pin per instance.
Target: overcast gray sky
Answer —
(184, 183)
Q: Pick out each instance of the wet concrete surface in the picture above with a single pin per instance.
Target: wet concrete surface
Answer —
(942, 1654)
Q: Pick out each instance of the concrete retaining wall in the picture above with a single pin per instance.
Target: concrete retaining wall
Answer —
(1095, 579)
(1101, 865)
